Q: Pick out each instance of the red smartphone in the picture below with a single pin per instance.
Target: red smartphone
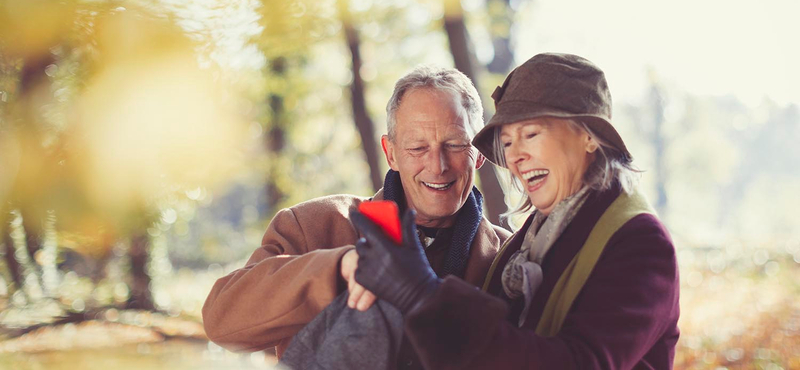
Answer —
(386, 214)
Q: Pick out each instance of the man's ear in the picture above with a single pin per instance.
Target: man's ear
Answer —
(388, 151)
(480, 161)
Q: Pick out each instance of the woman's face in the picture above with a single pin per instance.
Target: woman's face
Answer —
(549, 157)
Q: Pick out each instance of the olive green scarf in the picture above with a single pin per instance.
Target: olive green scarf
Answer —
(572, 280)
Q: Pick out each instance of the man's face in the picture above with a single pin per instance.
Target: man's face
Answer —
(433, 153)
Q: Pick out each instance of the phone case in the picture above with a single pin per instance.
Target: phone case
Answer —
(386, 214)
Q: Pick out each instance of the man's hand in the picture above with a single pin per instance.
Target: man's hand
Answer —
(360, 298)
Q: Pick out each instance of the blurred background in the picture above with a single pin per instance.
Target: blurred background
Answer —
(145, 145)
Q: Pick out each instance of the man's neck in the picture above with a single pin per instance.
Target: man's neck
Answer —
(430, 232)
(437, 223)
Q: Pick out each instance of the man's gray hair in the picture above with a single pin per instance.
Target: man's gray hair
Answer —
(443, 79)
(609, 167)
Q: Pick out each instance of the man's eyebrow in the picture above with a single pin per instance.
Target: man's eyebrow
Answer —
(457, 135)
(458, 140)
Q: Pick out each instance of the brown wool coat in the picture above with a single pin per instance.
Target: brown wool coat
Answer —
(294, 275)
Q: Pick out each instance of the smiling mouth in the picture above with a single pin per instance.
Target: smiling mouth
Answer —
(438, 186)
(534, 177)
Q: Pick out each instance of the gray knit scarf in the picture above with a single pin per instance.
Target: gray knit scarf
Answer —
(523, 272)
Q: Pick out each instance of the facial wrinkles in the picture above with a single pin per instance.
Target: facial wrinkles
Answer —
(557, 149)
(438, 129)
(438, 144)
(525, 157)
(431, 129)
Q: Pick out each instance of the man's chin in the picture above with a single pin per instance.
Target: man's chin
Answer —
(440, 215)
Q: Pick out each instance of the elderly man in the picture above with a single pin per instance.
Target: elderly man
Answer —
(307, 256)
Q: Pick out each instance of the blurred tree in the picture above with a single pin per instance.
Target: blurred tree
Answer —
(501, 18)
(659, 141)
(758, 197)
(9, 254)
(28, 47)
(37, 161)
(105, 124)
(276, 136)
(290, 29)
(141, 295)
(365, 126)
(466, 62)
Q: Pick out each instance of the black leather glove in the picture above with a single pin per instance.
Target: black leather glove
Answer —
(398, 274)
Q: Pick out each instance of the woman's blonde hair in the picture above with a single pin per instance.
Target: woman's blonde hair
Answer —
(608, 167)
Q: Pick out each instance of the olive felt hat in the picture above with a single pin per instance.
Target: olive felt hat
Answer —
(553, 85)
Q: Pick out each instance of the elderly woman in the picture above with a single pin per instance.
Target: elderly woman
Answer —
(590, 281)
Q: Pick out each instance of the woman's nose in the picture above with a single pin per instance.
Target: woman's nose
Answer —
(514, 153)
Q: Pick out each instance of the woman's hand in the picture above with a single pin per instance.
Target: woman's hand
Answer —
(398, 274)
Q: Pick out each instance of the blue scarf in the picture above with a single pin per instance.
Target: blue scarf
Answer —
(466, 226)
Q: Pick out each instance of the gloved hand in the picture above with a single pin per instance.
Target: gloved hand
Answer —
(398, 274)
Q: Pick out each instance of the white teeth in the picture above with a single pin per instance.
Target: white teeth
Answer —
(531, 174)
(437, 186)
(536, 181)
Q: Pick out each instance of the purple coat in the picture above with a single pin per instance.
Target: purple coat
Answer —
(625, 316)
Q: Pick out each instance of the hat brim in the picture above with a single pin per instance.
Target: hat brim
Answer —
(484, 140)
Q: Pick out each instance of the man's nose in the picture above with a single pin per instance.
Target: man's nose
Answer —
(437, 161)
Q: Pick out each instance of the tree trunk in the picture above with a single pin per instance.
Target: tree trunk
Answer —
(465, 60)
(366, 128)
(98, 271)
(141, 297)
(33, 233)
(276, 136)
(658, 140)
(500, 21)
(33, 226)
(35, 159)
(33, 238)
(14, 267)
(33, 243)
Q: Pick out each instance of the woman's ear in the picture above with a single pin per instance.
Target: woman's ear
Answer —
(591, 145)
